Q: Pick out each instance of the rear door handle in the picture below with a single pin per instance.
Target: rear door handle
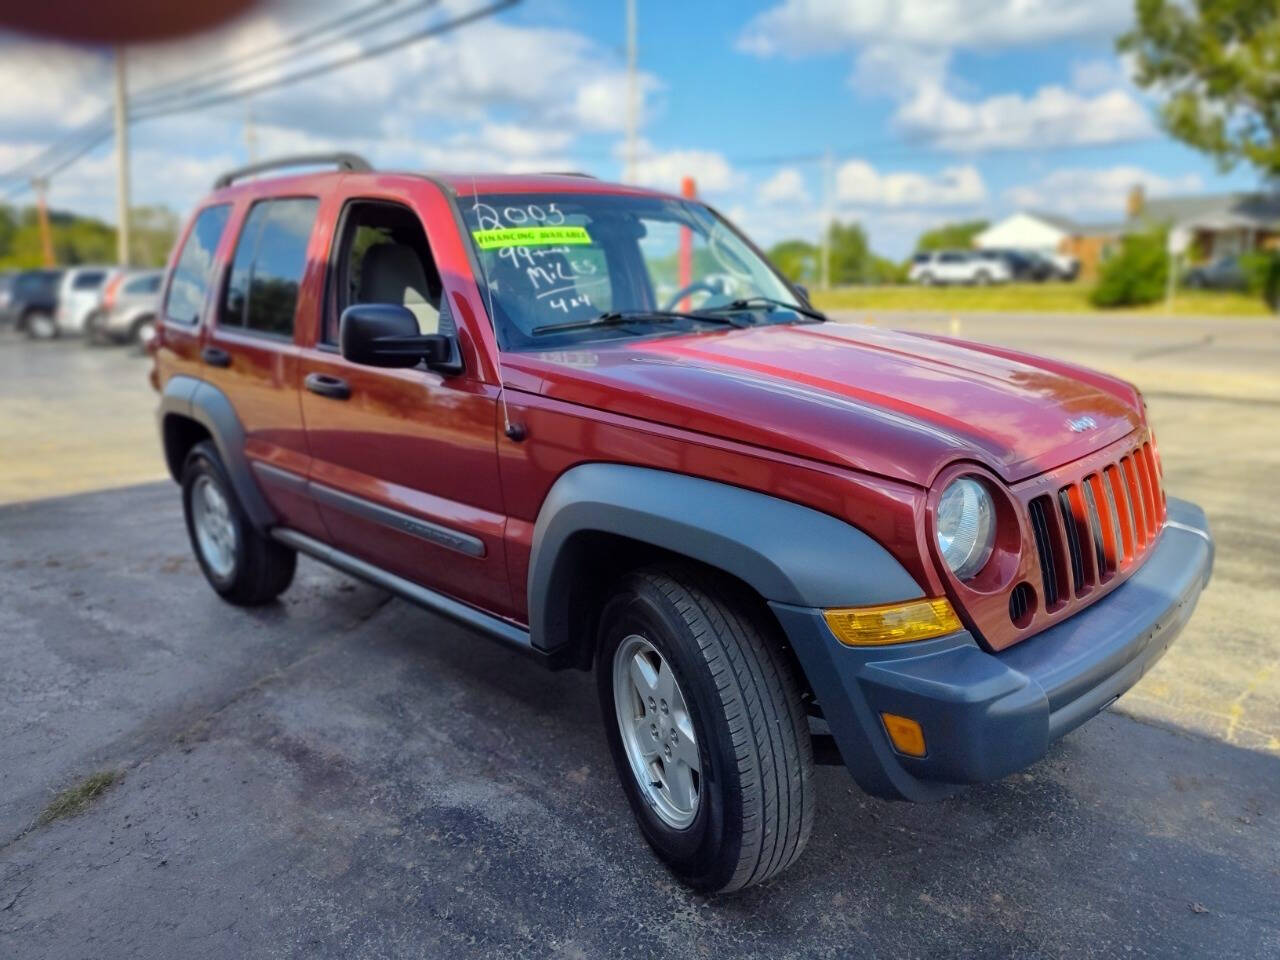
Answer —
(215, 357)
(327, 386)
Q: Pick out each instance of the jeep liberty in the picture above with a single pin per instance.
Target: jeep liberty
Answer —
(594, 423)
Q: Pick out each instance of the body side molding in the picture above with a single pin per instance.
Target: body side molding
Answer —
(788, 553)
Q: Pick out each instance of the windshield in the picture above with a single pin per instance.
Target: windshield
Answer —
(569, 260)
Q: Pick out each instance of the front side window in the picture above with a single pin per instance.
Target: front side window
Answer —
(569, 268)
(194, 268)
(266, 272)
(88, 280)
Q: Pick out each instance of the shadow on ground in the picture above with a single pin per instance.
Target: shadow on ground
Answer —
(341, 775)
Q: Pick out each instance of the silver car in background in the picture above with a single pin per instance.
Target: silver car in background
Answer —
(127, 311)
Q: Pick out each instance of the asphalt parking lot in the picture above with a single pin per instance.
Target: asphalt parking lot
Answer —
(342, 775)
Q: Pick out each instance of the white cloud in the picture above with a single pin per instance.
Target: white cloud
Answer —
(784, 188)
(1094, 76)
(893, 69)
(665, 169)
(810, 26)
(1098, 192)
(859, 183)
(1053, 116)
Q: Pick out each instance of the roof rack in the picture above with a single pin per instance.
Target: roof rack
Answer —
(343, 161)
(570, 173)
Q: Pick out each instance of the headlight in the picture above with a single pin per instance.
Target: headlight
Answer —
(966, 526)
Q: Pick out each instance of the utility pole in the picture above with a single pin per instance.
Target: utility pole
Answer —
(122, 162)
(250, 135)
(633, 106)
(828, 187)
(39, 185)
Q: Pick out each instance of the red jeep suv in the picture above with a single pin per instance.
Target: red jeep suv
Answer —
(594, 423)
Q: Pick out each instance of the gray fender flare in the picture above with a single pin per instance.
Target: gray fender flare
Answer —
(208, 406)
(786, 552)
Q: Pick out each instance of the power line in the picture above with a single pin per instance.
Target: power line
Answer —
(295, 46)
(338, 64)
(94, 138)
(200, 80)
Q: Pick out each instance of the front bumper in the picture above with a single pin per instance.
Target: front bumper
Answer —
(986, 715)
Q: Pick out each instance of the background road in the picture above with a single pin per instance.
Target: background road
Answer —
(344, 775)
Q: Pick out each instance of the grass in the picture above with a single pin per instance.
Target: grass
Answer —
(1027, 298)
(76, 799)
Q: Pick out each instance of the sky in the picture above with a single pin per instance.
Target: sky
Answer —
(930, 110)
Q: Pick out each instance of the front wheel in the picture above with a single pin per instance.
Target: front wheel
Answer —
(706, 726)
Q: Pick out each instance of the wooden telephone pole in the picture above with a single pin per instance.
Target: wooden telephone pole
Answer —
(39, 185)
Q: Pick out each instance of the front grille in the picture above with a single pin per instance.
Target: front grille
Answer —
(1103, 524)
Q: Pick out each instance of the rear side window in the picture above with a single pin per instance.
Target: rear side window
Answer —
(271, 255)
(88, 280)
(143, 284)
(194, 268)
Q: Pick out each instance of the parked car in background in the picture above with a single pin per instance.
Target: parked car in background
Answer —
(78, 298)
(127, 311)
(1224, 273)
(6, 288)
(1024, 265)
(1065, 266)
(957, 266)
(32, 302)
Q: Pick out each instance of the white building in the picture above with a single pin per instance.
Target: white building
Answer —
(1027, 230)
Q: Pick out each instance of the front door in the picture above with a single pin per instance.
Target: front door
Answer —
(404, 462)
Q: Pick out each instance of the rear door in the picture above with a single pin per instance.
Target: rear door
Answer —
(249, 351)
(404, 462)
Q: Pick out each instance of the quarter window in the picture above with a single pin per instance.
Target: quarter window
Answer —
(270, 258)
(195, 265)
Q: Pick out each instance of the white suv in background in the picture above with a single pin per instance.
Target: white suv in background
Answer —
(78, 297)
(956, 266)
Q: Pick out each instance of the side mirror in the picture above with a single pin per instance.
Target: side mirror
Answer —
(386, 335)
(803, 291)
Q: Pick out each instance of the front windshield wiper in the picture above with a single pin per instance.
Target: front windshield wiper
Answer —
(616, 318)
(768, 303)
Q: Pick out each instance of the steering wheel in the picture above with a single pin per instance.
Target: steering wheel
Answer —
(711, 288)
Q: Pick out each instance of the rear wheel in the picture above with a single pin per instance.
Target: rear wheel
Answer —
(144, 328)
(242, 565)
(706, 726)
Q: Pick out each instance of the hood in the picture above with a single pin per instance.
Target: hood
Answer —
(896, 404)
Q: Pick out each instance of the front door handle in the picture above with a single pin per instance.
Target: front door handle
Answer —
(216, 357)
(327, 386)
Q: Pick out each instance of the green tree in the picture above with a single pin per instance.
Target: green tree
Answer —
(1136, 274)
(951, 236)
(1216, 65)
(797, 259)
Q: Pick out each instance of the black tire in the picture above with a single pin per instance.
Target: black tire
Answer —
(756, 799)
(262, 569)
(137, 332)
(40, 325)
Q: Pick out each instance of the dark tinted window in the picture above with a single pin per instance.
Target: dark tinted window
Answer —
(88, 280)
(271, 255)
(195, 266)
(36, 282)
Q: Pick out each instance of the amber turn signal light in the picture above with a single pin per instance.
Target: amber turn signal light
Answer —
(905, 733)
(893, 623)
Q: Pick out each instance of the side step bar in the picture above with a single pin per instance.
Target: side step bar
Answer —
(468, 616)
